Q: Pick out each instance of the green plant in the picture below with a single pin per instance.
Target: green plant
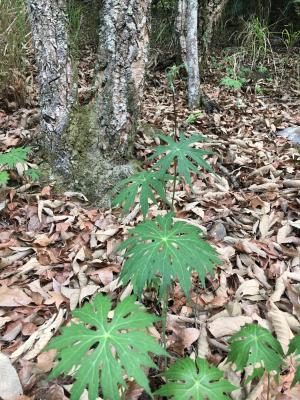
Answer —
(294, 348)
(262, 69)
(145, 185)
(156, 252)
(258, 89)
(193, 117)
(255, 38)
(255, 346)
(188, 379)
(100, 350)
(290, 38)
(232, 83)
(185, 159)
(169, 249)
(11, 159)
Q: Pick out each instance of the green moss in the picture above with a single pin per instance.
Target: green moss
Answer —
(91, 171)
(151, 130)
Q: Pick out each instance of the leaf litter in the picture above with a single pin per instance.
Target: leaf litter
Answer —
(57, 253)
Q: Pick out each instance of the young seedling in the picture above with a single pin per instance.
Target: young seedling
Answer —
(253, 345)
(188, 379)
(193, 117)
(11, 159)
(232, 83)
(100, 349)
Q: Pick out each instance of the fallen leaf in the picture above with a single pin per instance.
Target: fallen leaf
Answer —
(13, 297)
(10, 385)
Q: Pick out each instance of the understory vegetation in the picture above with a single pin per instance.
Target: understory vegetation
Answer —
(187, 287)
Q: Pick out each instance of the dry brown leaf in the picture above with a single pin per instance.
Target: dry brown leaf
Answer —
(39, 339)
(280, 286)
(227, 326)
(189, 336)
(281, 326)
(248, 288)
(13, 297)
(10, 385)
(203, 346)
(45, 360)
(283, 233)
(19, 255)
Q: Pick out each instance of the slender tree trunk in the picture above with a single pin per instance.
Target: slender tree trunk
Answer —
(55, 74)
(180, 26)
(210, 13)
(96, 145)
(187, 30)
(192, 54)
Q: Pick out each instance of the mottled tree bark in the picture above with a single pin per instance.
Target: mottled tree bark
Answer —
(123, 50)
(210, 13)
(187, 28)
(192, 57)
(122, 57)
(96, 146)
(55, 75)
(180, 26)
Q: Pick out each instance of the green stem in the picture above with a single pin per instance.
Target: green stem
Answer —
(268, 389)
(174, 184)
(164, 322)
(175, 113)
(175, 138)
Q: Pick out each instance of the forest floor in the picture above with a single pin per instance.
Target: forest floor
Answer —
(58, 251)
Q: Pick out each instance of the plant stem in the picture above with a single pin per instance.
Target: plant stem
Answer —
(268, 388)
(164, 322)
(175, 113)
(174, 184)
(175, 138)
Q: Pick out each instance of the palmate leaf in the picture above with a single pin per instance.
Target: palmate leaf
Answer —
(14, 156)
(33, 174)
(197, 380)
(253, 345)
(188, 159)
(294, 348)
(168, 249)
(4, 178)
(103, 351)
(146, 184)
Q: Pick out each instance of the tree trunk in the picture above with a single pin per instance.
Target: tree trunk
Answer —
(122, 58)
(192, 57)
(210, 13)
(57, 87)
(98, 141)
(187, 29)
(180, 27)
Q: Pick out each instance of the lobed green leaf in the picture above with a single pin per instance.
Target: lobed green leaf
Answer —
(197, 380)
(253, 345)
(14, 156)
(187, 158)
(162, 247)
(146, 185)
(101, 351)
